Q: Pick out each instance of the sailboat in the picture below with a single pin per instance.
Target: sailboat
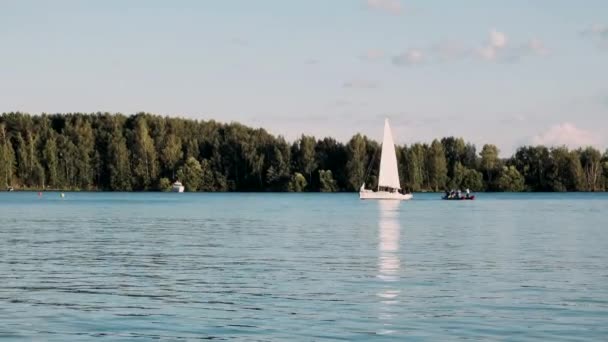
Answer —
(388, 182)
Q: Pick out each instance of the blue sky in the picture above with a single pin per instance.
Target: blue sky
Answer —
(506, 72)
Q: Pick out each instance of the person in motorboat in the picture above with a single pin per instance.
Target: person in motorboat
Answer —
(458, 195)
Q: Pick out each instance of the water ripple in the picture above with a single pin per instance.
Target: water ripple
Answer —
(265, 267)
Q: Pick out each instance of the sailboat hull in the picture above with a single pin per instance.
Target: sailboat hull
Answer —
(384, 195)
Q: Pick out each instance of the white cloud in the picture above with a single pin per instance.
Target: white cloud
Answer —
(536, 47)
(409, 57)
(597, 30)
(492, 49)
(449, 50)
(487, 52)
(388, 6)
(443, 52)
(498, 39)
(496, 48)
(372, 55)
(597, 33)
(360, 84)
(566, 134)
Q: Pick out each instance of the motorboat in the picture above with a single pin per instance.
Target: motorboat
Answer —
(177, 187)
(462, 198)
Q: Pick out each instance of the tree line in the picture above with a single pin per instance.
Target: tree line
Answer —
(145, 152)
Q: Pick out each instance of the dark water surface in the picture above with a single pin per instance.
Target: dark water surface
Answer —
(302, 267)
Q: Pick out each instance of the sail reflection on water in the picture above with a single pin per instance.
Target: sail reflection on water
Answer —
(389, 263)
(389, 266)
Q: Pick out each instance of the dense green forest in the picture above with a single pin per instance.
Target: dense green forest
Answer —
(148, 152)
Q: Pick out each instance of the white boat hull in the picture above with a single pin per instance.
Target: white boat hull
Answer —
(384, 195)
(178, 189)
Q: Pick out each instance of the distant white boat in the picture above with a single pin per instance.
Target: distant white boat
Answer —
(177, 187)
(388, 183)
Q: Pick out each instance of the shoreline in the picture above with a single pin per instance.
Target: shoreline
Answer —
(290, 192)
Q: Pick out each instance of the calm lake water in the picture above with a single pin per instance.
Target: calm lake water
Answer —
(302, 267)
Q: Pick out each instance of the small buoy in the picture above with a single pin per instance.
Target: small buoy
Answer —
(62, 195)
(39, 194)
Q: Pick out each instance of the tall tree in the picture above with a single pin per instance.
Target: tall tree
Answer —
(81, 135)
(7, 158)
(25, 164)
(574, 176)
(473, 180)
(490, 162)
(144, 160)
(328, 184)
(119, 164)
(469, 157)
(591, 162)
(533, 162)
(208, 178)
(171, 153)
(304, 154)
(454, 149)
(414, 167)
(255, 160)
(509, 179)
(67, 158)
(49, 156)
(465, 178)
(357, 160)
(331, 156)
(437, 166)
(564, 171)
(297, 183)
(605, 169)
(191, 174)
(278, 173)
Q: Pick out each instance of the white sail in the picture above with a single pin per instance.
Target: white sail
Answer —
(389, 174)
